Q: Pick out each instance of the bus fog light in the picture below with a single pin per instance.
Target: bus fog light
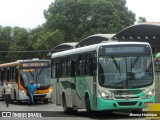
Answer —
(148, 94)
(104, 95)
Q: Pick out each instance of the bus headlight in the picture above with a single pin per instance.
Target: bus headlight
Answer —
(50, 90)
(23, 92)
(148, 94)
(104, 95)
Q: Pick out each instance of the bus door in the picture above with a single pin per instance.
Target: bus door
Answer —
(2, 83)
(94, 67)
(57, 83)
(73, 80)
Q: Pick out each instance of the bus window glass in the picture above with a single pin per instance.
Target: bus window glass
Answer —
(40, 76)
(122, 72)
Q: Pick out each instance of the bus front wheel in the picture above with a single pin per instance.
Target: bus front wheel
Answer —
(88, 106)
(19, 102)
(45, 101)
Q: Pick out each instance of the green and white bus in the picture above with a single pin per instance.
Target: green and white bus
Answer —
(105, 76)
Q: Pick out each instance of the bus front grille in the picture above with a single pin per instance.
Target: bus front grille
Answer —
(39, 96)
(127, 103)
(132, 97)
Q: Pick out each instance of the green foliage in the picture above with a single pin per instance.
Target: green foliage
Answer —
(66, 21)
(20, 42)
(5, 41)
(141, 20)
(80, 18)
(49, 40)
(20, 39)
(37, 36)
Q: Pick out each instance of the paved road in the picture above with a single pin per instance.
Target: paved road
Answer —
(53, 112)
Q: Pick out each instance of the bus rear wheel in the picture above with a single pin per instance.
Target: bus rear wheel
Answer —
(65, 108)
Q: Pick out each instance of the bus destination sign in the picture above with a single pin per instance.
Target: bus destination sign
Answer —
(35, 64)
(124, 50)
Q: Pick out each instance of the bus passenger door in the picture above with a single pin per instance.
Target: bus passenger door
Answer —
(93, 69)
(57, 84)
(73, 81)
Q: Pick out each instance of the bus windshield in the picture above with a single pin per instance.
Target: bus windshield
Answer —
(125, 72)
(40, 76)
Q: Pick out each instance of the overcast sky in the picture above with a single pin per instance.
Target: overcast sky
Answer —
(23, 13)
(29, 13)
(145, 8)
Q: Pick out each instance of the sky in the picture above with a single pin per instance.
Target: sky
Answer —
(23, 13)
(29, 13)
(145, 8)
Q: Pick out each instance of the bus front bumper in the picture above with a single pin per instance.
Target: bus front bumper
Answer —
(124, 104)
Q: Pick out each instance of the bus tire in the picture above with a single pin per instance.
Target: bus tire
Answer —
(136, 111)
(88, 106)
(19, 102)
(65, 108)
(45, 101)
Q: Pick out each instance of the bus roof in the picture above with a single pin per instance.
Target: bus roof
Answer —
(9, 64)
(32, 60)
(21, 61)
(92, 48)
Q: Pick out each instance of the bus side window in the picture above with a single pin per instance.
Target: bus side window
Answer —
(77, 66)
(63, 66)
(53, 70)
(68, 67)
(57, 70)
(88, 64)
(2, 73)
(82, 65)
(93, 66)
(72, 68)
(16, 75)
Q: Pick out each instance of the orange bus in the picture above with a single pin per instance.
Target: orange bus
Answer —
(20, 73)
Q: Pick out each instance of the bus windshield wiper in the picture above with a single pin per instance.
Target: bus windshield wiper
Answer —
(134, 62)
(31, 73)
(116, 64)
(40, 71)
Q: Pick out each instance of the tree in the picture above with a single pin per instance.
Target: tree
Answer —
(141, 20)
(49, 40)
(80, 18)
(37, 36)
(20, 42)
(45, 40)
(5, 41)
